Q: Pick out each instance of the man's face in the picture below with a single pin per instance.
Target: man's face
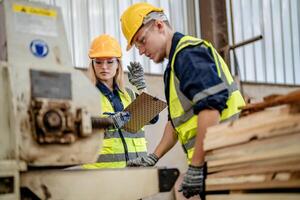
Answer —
(150, 41)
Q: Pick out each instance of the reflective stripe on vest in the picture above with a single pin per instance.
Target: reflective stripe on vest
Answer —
(114, 134)
(119, 157)
(181, 108)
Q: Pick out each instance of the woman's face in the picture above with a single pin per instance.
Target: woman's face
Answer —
(105, 68)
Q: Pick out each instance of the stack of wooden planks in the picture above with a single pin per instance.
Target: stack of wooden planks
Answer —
(259, 152)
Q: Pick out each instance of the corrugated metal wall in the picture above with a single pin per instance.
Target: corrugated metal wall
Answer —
(85, 19)
(276, 58)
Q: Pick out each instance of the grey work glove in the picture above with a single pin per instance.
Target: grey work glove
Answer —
(136, 75)
(119, 118)
(194, 182)
(147, 161)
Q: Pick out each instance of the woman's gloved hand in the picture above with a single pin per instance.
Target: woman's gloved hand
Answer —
(119, 118)
(147, 161)
(136, 75)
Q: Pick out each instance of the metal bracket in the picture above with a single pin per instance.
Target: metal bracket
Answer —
(167, 178)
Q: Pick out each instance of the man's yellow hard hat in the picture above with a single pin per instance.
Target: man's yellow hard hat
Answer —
(105, 46)
(132, 19)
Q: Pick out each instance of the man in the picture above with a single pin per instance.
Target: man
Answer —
(199, 89)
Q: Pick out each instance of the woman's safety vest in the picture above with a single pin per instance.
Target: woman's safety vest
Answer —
(112, 154)
(181, 108)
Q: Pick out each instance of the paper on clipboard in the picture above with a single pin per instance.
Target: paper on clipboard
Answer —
(142, 110)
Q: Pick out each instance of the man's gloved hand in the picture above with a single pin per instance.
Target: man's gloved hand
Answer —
(147, 161)
(194, 182)
(136, 75)
(119, 118)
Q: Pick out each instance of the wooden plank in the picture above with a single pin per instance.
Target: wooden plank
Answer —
(255, 181)
(283, 126)
(254, 185)
(261, 118)
(257, 177)
(275, 196)
(270, 148)
(263, 125)
(269, 162)
(292, 166)
(253, 178)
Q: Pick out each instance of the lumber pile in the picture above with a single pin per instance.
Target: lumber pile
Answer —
(259, 152)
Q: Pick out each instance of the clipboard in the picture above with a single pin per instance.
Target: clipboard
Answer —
(142, 110)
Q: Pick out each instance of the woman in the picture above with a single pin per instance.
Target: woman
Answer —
(105, 71)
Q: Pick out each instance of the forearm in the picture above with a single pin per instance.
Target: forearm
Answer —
(206, 118)
(168, 140)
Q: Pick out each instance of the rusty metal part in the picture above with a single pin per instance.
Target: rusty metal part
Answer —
(51, 120)
(54, 121)
(245, 42)
(83, 119)
(273, 100)
(99, 123)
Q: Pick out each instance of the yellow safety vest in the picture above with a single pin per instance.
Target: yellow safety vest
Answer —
(181, 108)
(112, 154)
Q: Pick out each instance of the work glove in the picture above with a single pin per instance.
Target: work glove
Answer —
(136, 75)
(119, 118)
(147, 161)
(194, 182)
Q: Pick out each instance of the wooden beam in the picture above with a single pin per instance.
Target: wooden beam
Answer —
(275, 196)
(257, 164)
(271, 148)
(259, 169)
(212, 186)
(261, 125)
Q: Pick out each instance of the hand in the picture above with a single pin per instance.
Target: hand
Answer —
(136, 75)
(147, 161)
(120, 118)
(194, 182)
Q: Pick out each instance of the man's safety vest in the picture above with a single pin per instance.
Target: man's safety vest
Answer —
(118, 144)
(181, 108)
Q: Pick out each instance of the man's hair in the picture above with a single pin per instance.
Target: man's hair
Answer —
(151, 17)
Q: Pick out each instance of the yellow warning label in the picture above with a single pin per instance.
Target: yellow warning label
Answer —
(34, 10)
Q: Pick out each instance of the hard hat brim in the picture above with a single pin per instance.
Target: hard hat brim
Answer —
(107, 54)
(129, 46)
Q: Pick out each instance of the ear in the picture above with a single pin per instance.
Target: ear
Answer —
(160, 25)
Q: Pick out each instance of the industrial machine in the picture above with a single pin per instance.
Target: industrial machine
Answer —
(49, 120)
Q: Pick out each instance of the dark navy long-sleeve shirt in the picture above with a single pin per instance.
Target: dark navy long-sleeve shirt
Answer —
(113, 96)
(196, 70)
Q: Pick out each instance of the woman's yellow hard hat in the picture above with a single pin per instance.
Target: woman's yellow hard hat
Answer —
(105, 46)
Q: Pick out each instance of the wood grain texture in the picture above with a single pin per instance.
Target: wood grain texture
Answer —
(266, 124)
(270, 148)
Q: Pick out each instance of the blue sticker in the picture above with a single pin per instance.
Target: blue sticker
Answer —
(39, 48)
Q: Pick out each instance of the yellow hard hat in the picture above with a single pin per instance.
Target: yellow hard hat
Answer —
(105, 46)
(132, 19)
